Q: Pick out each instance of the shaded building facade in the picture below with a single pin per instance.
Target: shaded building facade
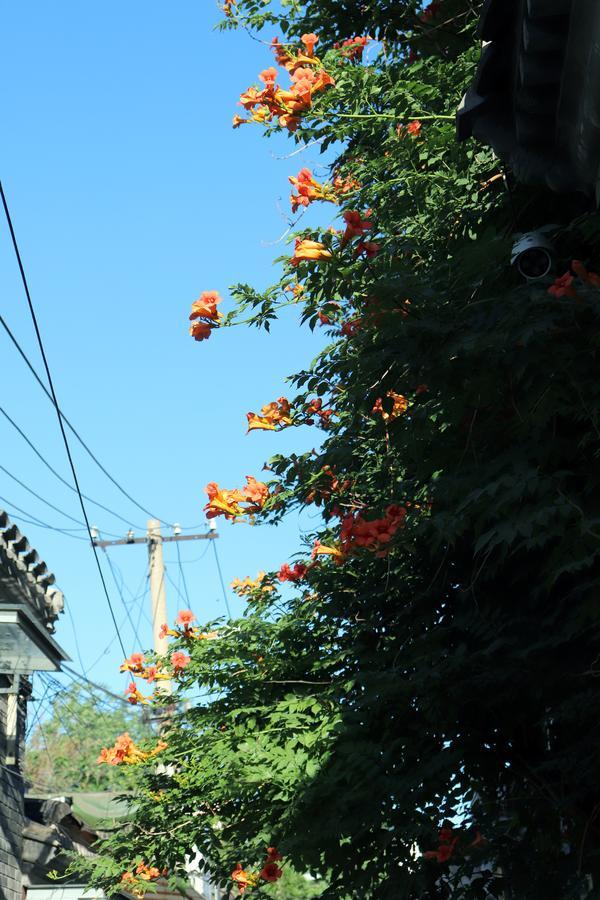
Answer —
(29, 607)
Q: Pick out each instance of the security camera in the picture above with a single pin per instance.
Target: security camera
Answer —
(533, 255)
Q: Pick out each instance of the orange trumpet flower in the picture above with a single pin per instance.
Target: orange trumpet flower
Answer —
(307, 250)
(273, 417)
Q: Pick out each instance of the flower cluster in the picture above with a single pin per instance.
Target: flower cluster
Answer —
(356, 226)
(448, 841)
(358, 533)
(345, 184)
(400, 405)
(244, 879)
(324, 317)
(308, 190)
(315, 408)
(354, 47)
(413, 129)
(270, 872)
(272, 102)
(276, 416)
(147, 873)
(373, 535)
(351, 327)
(246, 586)
(184, 618)
(272, 417)
(132, 885)
(134, 882)
(291, 61)
(324, 492)
(293, 573)
(134, 696)
(563, 286)
(179, 660)
(125, 751)
(227, 503)
(294, 288)
(368, 249)
(430, 11)
(136, 664)
(205, 315)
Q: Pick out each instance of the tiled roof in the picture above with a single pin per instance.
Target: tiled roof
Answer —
(24, 577)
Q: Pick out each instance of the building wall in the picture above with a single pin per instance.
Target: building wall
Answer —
(11, 806)
(71, 892)
(24, 581)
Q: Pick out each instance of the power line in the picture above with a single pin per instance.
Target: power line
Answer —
(75, 638)
(142, 598)
(139, 596)
(68, 714)
(33, 520)
(176, 586)
(214, 543)
(180, 597)
(68, 423)
(105, 651)
(62, 689)
(22, 519)
(47, 502)
(191, 562)
(182, 574)
(36, 784)
(53, 470)
(122, 598)
(46, 748)
(40, 702)
(57, 408)
(92, 684)
(59, 690)
(139, 589)
(51, 505)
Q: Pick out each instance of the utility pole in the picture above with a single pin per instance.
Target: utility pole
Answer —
(158, 594)
(155, 540)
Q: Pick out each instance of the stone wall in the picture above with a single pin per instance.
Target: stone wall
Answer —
(11, 807)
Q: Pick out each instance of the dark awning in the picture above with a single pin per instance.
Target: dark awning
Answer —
(535, 98)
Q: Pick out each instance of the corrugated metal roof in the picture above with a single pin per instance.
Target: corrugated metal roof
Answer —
(103, 809)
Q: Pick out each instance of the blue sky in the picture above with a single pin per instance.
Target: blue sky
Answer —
(130, 194)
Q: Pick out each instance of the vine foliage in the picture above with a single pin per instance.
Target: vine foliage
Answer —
(410, 707)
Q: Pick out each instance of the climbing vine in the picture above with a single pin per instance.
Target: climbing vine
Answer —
(408, 708)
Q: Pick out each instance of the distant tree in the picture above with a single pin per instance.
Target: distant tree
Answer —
(62, 753)
(293, 886)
